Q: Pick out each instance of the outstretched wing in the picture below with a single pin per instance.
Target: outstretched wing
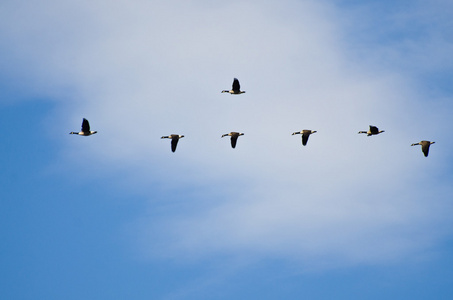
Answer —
(374, 129)
(174, 143)
(305, 136)
(234, 140)
(236, 85)
(425, 149)
(85, 125)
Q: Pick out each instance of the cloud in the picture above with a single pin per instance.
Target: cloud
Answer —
(141, 70)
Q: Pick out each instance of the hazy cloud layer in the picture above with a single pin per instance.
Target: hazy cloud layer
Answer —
(142, 69)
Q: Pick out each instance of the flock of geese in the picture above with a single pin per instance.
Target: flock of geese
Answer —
(236, 90)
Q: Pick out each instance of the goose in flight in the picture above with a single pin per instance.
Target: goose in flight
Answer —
(236, 89)
(234, 137)
(425, 146)
(305, 135)
(85, 129)
(372, 131)
(174, 140)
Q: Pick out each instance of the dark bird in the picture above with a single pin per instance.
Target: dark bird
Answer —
(234, 137)
(85, 129)
(236, 89)
(425, 146)
(372, 131)
(174, 140)
(305, 135)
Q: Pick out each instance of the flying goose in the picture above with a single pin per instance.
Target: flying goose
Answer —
(425, 146)
(174, 140)
(305, 135)
(236, 89)
(85, 129)
(372, 131)
(234, 137)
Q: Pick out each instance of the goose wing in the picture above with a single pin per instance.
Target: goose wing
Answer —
(305, 137)
(234, 140)
(174, 143)
(374, 129)
(85, 125)
(425, 148)
(236, 85)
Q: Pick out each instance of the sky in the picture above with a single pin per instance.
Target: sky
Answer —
(117, 215)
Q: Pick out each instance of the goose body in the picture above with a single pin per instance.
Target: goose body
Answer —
(234, 137)
(425, 146)
(305, 135)
(236, 88)
(174, 140)
(85, 129)
(372, 131)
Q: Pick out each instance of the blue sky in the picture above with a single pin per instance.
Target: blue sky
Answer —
(117, 215)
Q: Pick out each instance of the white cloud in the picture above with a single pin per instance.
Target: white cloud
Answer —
(138, 70)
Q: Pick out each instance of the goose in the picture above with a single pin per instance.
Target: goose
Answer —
(174, 140)
(234, 137)
(305, 135)
(372, 131)
(425, 146)
(236, 89)
(85, 129)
